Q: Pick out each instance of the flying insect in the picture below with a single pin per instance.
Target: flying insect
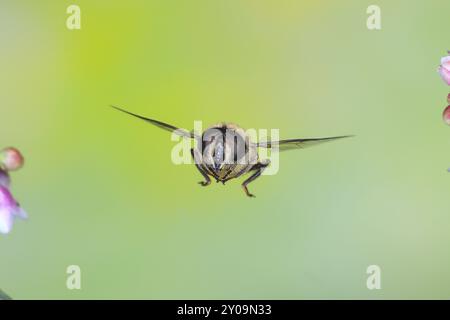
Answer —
(224, 151)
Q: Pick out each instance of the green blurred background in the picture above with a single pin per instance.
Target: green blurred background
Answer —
(102, 192)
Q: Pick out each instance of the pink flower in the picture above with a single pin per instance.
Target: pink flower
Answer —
(9, 210)
(444, 68)
(10, 159)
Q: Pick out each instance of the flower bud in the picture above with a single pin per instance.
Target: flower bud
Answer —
(444, 69)
(11, 159)
(446, 115)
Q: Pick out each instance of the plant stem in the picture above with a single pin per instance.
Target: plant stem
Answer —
(4, 296)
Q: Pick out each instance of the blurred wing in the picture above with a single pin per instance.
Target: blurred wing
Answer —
(291, 144)
(159, 124)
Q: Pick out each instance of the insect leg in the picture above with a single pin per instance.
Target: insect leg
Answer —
(259, 167)
(202, 171)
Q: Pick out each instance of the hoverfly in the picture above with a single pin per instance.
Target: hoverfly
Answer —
(224, 151)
